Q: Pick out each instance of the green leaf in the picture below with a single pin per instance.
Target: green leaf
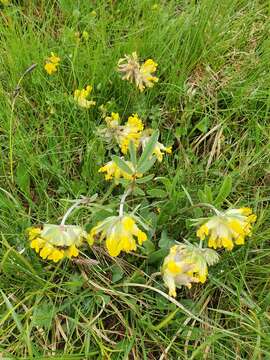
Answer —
(132, 152)
(148, 151)
(148, 246)
(201, 196)
(122, 164)
(145, 179)
(117, 273)
(159, 193)
(43, 315)
(225, 190)
(146, 165)
(23, 178)
(138, 191)
(165, 241)
(157, 256)
(203, 124)
(208, 194)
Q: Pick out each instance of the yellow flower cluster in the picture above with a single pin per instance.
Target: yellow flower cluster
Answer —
(112, 170)
(119, 233)
(55, 242)
(159, 148)
(52, 63)
(80, 96)
(132, 130)
(183, 266)
(227, 228)
(141, 75)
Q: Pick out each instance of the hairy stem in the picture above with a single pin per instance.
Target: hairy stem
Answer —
(123, 199)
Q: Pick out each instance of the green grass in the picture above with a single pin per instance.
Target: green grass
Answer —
(212, 103)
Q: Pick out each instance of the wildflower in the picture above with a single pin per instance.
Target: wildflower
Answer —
(52, 63)
(81, 95)
(227, 228)
(55, 242)
(123, 134)
(159, 148)
(141, 75)
(147, 79)
(112, 170)
(85, 35)
(131, 131)
(119, 233)
(186, 264)
(112, 121)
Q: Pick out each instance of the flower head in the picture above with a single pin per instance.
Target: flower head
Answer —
(131, 131)
(123, 134)
(81, 95)
(159, 148)
(120, 234)
(113, 121)
(112, 170)
(227, 228)
(141, 75)
(55, 242)
(52, 63)
(147, 79)
(186, 264)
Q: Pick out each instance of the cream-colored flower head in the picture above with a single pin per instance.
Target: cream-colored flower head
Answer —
(123, 134)
(159, 148)
(80, 96)
(186, 264)
(131, 131)
(141, 75)
(55, 242)
(52, 64)
(113, 171)
(227, 228)
(120, 234)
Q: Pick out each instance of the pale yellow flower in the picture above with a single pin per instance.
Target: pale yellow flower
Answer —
(112, 171)
(131, 131)
(147, 79)
(141, 75)
(159, 148)
(113, 121)
(186, 264)
(55, 242)
(123, 134)
(227, 228)
(119, 233)
(81, 95)
(52, 64)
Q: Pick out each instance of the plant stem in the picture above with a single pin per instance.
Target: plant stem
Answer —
(69, 211)
(123, 199)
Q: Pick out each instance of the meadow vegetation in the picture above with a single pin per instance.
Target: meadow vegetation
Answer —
(211, 104)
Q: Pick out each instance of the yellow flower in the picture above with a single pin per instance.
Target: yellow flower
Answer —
(81, 95)
(52, 63)
(131, 131)
(147, 79)
(159, 148)
(54, 242)
(85, 35)
(227, 228)
(113, 121)
(186, 264)
(112, 170)
(119, 233)
(141, 75)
